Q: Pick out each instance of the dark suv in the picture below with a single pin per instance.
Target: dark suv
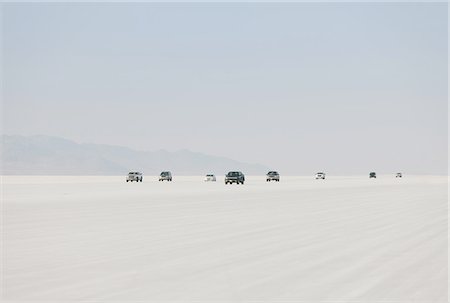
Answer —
(234, 177)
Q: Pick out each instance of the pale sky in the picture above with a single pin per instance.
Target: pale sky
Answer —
(344, 88)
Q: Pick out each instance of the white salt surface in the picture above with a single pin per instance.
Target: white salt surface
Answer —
(343, 239)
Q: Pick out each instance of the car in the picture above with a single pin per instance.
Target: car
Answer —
(373, 175)
(398, 175)
(320, 175)
(165, 175)
(272, 176)
(134, 176)
(234, 177)
(210, 177)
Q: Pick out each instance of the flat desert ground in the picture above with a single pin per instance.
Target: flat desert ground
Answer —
(343, 239)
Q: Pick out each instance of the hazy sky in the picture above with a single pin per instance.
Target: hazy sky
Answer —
(300, 87)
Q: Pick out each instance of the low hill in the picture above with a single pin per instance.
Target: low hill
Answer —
(44, 155)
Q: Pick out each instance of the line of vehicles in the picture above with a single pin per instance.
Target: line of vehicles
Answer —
(231, 177)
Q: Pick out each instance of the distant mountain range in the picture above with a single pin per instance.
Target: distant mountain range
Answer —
(44, 155)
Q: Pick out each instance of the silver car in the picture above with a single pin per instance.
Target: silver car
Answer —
(165, 175)
(134, 176)
(272, 176)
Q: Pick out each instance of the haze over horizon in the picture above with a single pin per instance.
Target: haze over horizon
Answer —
(294, 86)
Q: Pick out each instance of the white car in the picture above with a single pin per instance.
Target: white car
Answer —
(320, 175)
(134, 176)
(210, 177)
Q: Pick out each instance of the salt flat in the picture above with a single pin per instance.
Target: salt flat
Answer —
(344, 239)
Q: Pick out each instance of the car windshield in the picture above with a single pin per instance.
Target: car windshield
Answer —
(233, 174)
(164, 173)
(273, 173)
